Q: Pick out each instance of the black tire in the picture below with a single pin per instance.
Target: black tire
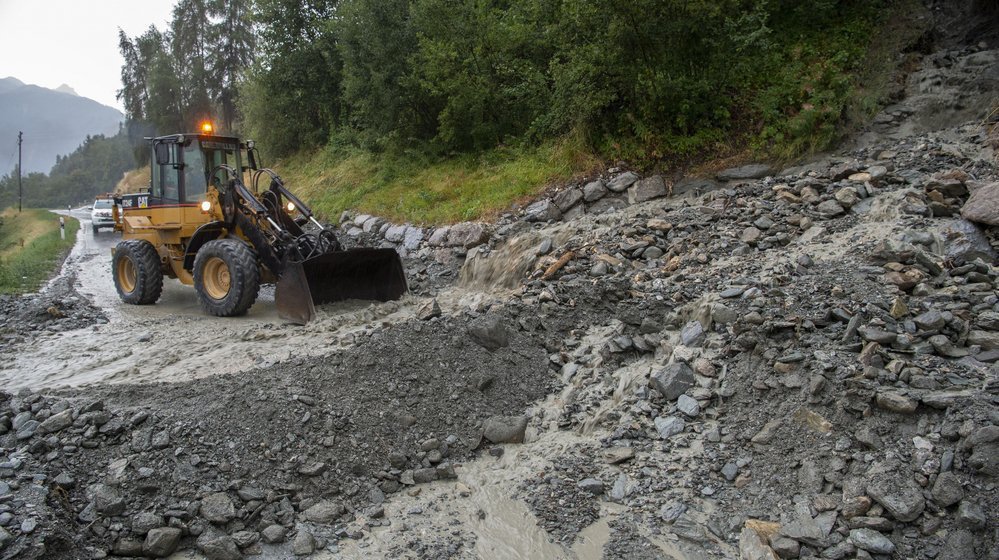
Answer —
(96, 229)
(137, 272)
(226, 276)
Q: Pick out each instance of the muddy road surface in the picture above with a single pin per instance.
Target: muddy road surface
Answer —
(174, 340)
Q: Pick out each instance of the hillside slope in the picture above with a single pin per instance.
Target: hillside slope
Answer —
(54, 122)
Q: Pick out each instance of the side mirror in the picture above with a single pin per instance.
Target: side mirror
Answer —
(162, 153)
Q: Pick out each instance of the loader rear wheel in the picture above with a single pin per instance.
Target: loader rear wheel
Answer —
(226, 276)
(137, 273)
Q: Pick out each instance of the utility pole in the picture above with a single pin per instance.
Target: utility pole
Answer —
(19, 135)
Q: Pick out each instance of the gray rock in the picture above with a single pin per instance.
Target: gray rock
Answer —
(489, 333)
(395, 233)
(568, 198)
(960, 545)
(372, 224)
(304, 543)
(424, 476)
(785, 547)
(622, 182)
(218, 508)
(671, 511)
(20, 420)
(439, 236)
(324, 512)
(669, 426)
(988, 340)
(413, 237)
(107, 500)
(27, 429)
(692, 334)
(467, 235)
(688, 406)
(505, 429)
(983, 205)
(161, 542)
(896, 402)
(673, 380)
(830, 208)
(647, 189)
(730, 471)
(965, 242)
(273, 534)
(901, 497)
(57, 422)
(218, 546)
(745, 172)
(594, 190)
(930, 321)
(591, 485)
(970, 515)
(947, 490)
(145, 522)
(871, 541)
(542, 211)
(619, 491)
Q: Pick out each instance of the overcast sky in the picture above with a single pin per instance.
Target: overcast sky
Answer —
(74, 42)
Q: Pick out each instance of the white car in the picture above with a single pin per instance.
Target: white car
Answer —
(100, 214)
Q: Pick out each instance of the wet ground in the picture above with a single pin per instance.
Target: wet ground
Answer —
(175, 340)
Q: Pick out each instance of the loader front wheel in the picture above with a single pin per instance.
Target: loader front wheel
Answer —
(137, 273)
(227, 277)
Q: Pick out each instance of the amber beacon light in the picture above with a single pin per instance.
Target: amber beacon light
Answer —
(206, 127)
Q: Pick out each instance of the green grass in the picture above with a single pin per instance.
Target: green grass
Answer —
(31, 248)
(413, 187)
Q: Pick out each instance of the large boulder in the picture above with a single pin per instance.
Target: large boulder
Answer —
(568, 198)
(161, 542)
(647, 189)
(983, 205)
(542, 211)
(505, 429)
(467, 235)
(901, 497)
(673, 380)
(622, 181)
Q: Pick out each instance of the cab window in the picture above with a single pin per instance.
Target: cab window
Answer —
(165, 182)
(195, 183)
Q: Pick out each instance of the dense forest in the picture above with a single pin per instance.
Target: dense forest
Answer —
(642, 79)
(653, 82)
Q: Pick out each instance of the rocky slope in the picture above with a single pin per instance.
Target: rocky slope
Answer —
(796, 363)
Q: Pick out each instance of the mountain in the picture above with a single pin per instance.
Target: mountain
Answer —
(54, 122)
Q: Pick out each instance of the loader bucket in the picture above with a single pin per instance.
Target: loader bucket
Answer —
(370, 274)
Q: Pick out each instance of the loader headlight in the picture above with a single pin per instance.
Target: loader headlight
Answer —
(206, 206)
(291, 207)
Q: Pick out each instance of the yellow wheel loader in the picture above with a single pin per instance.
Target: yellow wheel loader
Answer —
(200, 223)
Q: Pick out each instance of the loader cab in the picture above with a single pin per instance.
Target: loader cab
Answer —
(182, 163)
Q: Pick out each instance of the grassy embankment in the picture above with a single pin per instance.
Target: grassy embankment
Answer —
(31, 248)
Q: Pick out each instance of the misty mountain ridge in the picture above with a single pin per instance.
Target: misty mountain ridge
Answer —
(54, 122)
